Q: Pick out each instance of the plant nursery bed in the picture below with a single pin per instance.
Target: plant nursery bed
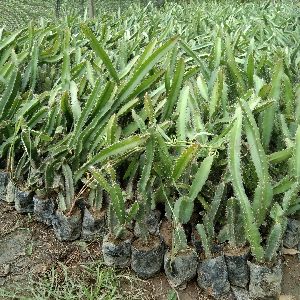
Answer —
(167, 127)
(29, 249)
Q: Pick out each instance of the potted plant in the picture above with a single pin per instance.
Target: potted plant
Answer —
(26, 173)
(10, 137)
(180, 263)
(67, 219)
(116, 246)
(236, 252)
(94, 224)
(24, 198)
(44, 204)
(19, 190)
(266, 273)
(25, 178)
(265, 266)
(212, 269)
(148, 249)
(266, 270)
(8, 187)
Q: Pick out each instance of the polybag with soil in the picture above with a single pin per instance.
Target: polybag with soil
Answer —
(117, 251)
(212, 270)
(181, 268)
(43, 209)
(292, 233)
(3, 184)
(213, 277)
(180, 263)
(265, 280)
(67, 227)
(147, 256)
(24, 201)
(94, 225)
(237, 267)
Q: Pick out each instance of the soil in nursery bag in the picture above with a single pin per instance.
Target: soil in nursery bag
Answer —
(44, 210)
(3, 184)
(181, 268)
(94, 225)
(265, 280)
(24, 202)
(151, 222)
(213, 277)
(147, 258)
(237, 267)
(67, 228)
(117, 252)
(292, 234)
(165, 231)
(197, 244)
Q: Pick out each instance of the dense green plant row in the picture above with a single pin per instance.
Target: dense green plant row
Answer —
(193, 113)
(17, 13)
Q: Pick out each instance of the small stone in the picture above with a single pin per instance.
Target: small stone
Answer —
(4, 270)
(286, 251)
(39, 269)
(10, 192)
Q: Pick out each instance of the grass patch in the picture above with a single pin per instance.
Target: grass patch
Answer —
(89, 281)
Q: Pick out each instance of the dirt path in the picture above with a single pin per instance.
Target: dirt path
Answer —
(28, 248)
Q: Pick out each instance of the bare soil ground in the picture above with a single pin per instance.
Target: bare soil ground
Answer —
(29, 249)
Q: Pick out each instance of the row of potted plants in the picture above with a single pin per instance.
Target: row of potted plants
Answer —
(138, 237)
(176, 154)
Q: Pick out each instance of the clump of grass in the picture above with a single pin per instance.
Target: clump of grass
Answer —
(89, 281)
